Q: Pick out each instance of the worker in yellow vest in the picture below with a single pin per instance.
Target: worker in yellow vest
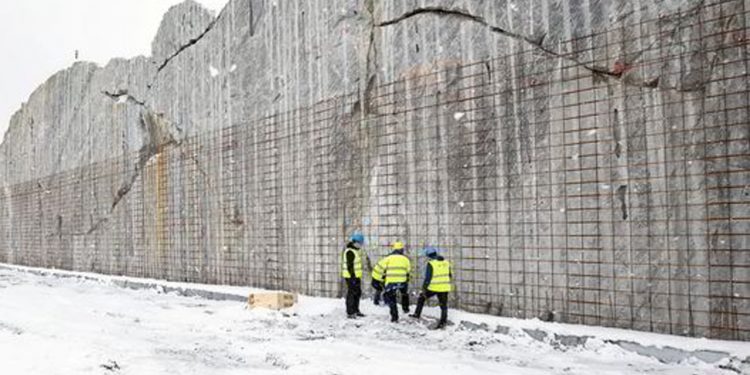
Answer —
(396, 279)
(378, 273)
(351, 271)
(437, 282)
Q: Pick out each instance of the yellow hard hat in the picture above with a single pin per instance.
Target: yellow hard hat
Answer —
(398, 245)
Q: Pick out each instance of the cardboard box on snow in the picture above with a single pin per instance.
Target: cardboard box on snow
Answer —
(271, 300)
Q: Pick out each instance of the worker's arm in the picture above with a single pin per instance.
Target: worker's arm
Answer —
(409, 272)
(350, 263)
(427, 276)
(368, 263)
(385, 270)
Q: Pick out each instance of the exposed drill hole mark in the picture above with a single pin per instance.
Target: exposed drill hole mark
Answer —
(621, 192)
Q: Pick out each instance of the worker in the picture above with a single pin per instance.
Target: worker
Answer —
(351, 271)
(377, 280)
(396, 279)
(437, 282)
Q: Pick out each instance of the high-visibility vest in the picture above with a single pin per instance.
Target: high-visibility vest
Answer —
(397, 268)
(357, 263)
(441, 276)
(379, 270)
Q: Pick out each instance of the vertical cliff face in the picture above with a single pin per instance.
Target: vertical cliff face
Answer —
(581, 161)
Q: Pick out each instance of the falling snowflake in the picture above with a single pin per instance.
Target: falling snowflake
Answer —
(214, 72)
(233, 68)
(459, 115)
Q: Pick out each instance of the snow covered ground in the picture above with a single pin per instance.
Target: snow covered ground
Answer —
(89, 325)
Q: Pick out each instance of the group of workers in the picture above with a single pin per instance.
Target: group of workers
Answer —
(390, 277)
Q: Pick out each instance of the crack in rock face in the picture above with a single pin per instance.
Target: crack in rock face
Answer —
(122, 96)
(461, 14)
(618, 72)
(183, 26)
(189, 44)
(159, 134)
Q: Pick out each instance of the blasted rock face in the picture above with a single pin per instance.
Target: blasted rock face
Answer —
(260, 57)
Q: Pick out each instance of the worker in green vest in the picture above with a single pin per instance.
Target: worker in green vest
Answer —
(351, 271)
(396, 279)
(377, 280)
(437, 282)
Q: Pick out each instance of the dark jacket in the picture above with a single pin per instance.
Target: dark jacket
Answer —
(350, 257)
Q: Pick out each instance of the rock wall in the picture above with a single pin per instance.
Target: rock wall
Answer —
(579, 161)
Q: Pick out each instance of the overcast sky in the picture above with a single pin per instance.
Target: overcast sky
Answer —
(40, 37)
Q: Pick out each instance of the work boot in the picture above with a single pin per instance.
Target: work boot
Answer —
(359, 314)
(394, 320)
(415, 316)
(351, 316)
(440, 325)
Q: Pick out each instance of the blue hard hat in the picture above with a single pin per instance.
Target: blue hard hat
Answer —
(358, 237)
(430, 251)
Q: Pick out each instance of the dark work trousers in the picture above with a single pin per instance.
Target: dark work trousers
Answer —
(390, 298)
(353, 294)
(378, 286)
(442, 299)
